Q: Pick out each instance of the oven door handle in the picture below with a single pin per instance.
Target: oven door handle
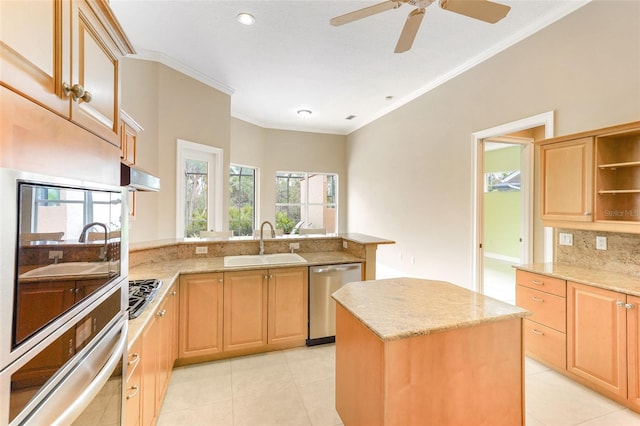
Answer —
(81, 385)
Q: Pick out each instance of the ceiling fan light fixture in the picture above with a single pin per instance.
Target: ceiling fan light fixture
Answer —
(304, 113)
(246, 18)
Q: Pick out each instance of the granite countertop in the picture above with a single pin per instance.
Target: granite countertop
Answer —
(628, 284)
(355, 237)
(398, 308)
(169, 272)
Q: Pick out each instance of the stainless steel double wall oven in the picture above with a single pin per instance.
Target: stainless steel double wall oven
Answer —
(63, 298)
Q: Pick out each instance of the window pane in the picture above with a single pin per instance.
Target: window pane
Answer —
(196, 197)
(288, 187)
(242, 200)
(287, 217)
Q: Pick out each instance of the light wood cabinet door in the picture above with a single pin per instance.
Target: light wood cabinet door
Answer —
(34, 50)
(245, 309)
(149, 368)
(596, 337)
(567, 180)
(95, 63)
(201, 315)
(633, 350)
(133, 385)
(166, 315)
(288, 305)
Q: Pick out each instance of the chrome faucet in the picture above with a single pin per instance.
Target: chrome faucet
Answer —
(273, 235)
(83, 237)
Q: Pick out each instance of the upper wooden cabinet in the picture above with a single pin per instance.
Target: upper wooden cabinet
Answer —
(567, 178)
(591, 180)
(129, 130)
(66, 59)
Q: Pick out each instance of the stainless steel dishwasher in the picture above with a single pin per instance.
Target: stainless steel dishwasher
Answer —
(323, 281)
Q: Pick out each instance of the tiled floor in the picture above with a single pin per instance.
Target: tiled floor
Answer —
(296, 387)
(499, 280)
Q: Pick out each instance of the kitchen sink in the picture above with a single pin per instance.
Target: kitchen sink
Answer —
(266, 260)
(68, 268)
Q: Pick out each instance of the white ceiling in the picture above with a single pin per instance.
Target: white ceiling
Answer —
(293, 59)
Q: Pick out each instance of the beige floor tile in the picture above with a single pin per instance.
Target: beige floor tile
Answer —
(555, 400)
(533, 367)
(312, 364)
(280, 407)
(623, 417)
(256, 381)
(193, 386)
(219, 413)
(319, 400)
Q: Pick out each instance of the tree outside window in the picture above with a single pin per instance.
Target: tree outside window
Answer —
(306, 200)
(242, 188)
(196, 197)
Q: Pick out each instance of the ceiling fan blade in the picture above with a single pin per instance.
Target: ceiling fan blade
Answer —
(363, 13)
(410, 30)
(483, 10)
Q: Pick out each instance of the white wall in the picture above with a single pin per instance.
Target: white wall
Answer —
(410, 172)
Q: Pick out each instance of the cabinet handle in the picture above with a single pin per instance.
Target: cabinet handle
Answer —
(620, 303)
(173, 293)
(537, 282)
(538, 332)
(587, 213)
(270, 276)
(220, 280)
(77, 92)
(135, 358)
(135, 389)
(629, 305)
(537, 299)
(162, 313)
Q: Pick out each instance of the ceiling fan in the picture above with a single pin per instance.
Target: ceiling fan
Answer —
(483, 10)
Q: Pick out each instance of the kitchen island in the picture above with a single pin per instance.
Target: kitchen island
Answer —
(415, 352)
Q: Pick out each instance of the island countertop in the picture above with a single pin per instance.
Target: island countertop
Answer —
(398, 308)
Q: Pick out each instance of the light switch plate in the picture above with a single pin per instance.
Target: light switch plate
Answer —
(565, 239)
(202, 250)
(601, 243)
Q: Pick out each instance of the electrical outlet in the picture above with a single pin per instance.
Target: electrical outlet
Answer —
(202, 250)
(566, 239)
(345, 245)
(294, 246)
(601, 243)
(55, 254)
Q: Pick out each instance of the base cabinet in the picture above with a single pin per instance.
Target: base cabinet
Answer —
(545, 331)
(597, 337)
(133, 385)
(245, 310)
(159, 349)
(201, 297)
(288, 306)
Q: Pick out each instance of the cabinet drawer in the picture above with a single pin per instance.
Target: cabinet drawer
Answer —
(548, 309)
(545, 344)
(542, 282)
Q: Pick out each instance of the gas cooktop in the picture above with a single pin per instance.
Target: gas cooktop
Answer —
(141, 293)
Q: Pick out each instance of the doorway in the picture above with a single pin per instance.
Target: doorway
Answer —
(504, 203)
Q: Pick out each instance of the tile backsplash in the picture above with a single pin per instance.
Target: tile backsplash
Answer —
(622, 254)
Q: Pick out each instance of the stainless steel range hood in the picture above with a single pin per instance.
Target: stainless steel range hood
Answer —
(138, 180)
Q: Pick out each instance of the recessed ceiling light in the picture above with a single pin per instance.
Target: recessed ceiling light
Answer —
(389, 97)
(246, 18)
(304, 113)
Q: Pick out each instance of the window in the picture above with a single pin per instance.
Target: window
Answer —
(199, 189)
(505, 181)
(306, 200)
(242, 205)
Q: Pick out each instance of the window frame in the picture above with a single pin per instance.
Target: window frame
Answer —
(305, 204)
(214, 157)
(256, 192)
